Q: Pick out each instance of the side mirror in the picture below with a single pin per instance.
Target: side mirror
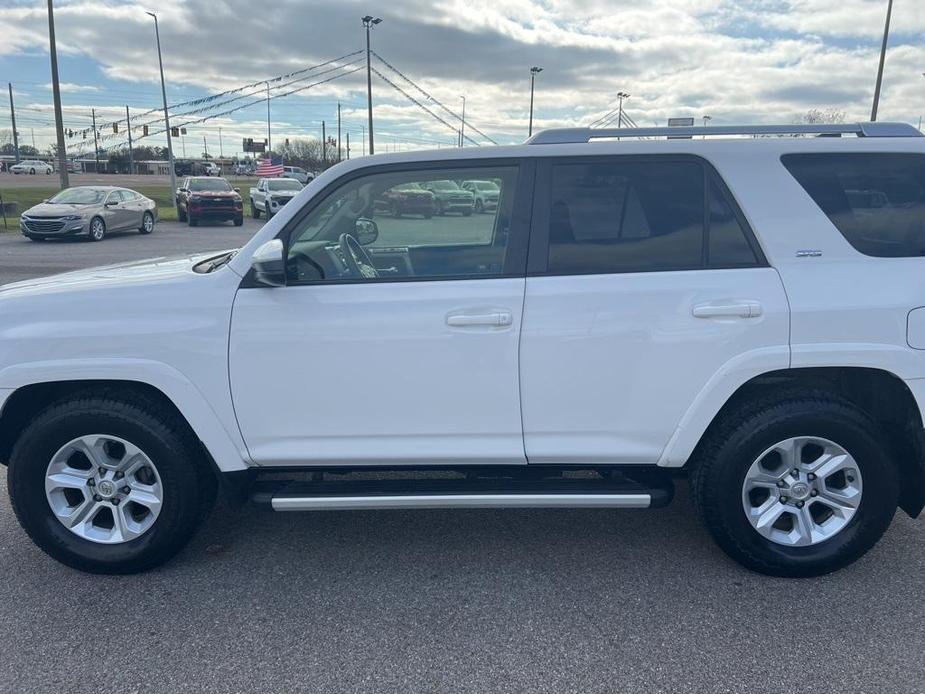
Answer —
(366, 231)
(111, 203)
(237, 190)
(269, 265)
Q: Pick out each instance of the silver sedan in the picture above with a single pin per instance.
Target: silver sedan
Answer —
(93, 211)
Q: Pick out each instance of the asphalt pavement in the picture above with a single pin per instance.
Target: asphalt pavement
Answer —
(446, 601)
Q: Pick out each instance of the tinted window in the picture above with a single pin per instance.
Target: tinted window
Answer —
(728, 245)
(626, 216)
(217, 185)
(877, 201)
(414, 239)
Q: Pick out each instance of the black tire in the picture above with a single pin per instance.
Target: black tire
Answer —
(734, 443)
(239, 221)
(189, 485)
(440, 210)
(144, 223)
(479, 207)
(255, 213)
(35, 238)
(467, 213)
(181, 214)
(32, 171)
(192, 221)
(395, 211)
(97, 233)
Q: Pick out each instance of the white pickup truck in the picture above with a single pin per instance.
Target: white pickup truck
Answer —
(270, 194)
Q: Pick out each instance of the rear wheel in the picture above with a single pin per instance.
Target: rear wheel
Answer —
(255, 213)
(32, 171)
(108, 483)
(181, 214)
(479, 206)
(147, 223)
(800, 486)
(193, 222)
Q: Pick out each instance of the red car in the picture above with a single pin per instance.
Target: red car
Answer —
(208, 198)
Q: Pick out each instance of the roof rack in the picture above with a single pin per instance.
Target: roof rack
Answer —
(559, 136)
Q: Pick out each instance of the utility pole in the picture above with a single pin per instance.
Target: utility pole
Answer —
(269, 137)
(338, 132)
(621, 96)
(221, 153)
(324, 146)
(13, 118)
(56, 90)
(363, 136)
(33, 139)
(348, 140)
(205, 146)
(173, 171)
(886, 37)
(534, 71)
(369, 22)
(131, 154)
(462, 126)
(96, 147)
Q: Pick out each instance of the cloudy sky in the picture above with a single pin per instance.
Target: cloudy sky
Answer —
(734, 60)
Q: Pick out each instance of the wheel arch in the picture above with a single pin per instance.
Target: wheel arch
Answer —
(880, 393)
(27, 400)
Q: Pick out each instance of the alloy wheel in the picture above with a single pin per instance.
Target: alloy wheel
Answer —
(802, 491)
(104, 489)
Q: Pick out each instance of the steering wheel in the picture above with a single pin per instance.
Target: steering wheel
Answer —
(358, 261)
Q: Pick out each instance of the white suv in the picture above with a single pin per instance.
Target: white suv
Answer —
(745, 311)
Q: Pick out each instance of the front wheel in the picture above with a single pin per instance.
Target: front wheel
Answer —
(32, 172)
(147, 223)
(239, 221)
(797, 486)
(193, 222)
(97, 229)
(181, 214)
(109, 483)
(255, 213)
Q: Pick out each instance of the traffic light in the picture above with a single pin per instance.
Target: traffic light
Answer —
(175, 132)
(115, 128)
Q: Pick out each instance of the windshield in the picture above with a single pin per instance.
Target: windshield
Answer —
(444, 185)
(284, 184)
(219, 185)
(79, 196)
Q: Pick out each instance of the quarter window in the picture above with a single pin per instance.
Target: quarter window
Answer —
(876, 200)
(404, 226)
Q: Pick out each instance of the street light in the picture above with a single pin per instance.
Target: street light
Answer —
(534, 71)
(621, 96)
(462, 127)
(706, 119)
(160, 61)
(369, 22)
(886, 37)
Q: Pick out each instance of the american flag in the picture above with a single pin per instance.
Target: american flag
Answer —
(270, 167)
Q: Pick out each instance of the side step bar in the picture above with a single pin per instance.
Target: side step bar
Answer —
(466, 493)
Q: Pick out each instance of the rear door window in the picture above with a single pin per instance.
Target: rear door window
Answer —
(876, 200)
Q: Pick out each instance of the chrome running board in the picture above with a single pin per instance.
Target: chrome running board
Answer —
(368, 503)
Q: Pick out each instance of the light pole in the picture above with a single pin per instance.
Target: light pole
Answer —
(706, 119)
(534, 71)
(160, 61)
(56, 89)
(462, 127)
(369, 22)
(886, 37)
(621, 96)
(269, 136)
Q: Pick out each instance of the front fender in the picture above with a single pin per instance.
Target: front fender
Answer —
(222, 439)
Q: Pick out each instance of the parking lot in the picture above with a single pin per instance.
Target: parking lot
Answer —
(455, 601)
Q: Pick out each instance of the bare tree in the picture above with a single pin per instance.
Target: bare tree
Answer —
(815, 116)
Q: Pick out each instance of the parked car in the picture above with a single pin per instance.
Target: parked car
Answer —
(183, 167)
(485, 192)
(634, 310)
(74, 166)
(449, 197)
(32, 166)
(407, 198)
(211, 169)
(204, 198)
(301, 175)
(244, 169)
(92, 211)
(270, 194)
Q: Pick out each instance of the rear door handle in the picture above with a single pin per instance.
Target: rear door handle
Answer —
(498, 319)
(732, 309)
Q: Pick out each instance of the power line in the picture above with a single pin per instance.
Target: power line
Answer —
(422, 91)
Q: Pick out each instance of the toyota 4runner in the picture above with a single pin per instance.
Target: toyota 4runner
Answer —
(746, 312)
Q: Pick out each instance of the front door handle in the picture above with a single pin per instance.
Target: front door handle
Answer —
(497, 319)
(732, 309)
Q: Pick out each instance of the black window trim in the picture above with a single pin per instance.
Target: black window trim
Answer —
(515, 257)
(538, 252)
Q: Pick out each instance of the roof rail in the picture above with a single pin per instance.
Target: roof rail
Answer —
(576, 135)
